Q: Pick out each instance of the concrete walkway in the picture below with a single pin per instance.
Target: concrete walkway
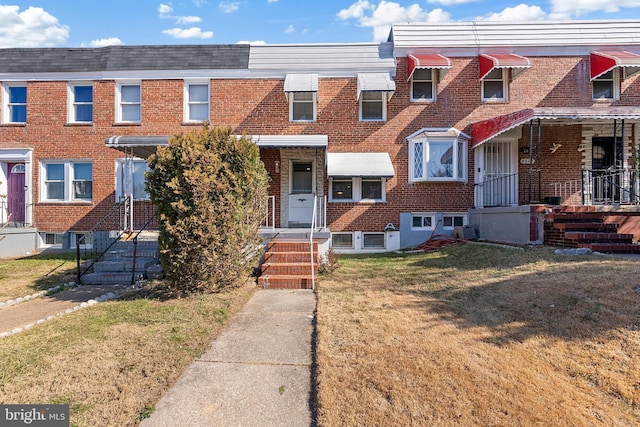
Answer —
(258, 372)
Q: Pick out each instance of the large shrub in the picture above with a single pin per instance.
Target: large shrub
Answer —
(210, 190)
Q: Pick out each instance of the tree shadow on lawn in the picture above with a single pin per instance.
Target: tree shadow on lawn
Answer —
(569, 299)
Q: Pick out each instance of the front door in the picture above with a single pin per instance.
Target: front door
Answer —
(499, 181)
(301, 195)
(605, 162)
(15, 194)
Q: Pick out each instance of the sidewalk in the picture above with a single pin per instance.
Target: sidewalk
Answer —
(258, 372)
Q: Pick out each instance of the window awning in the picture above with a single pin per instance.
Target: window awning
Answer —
(301, 83)
(488, 62)
(378, 82)
(418, 61)
(603, 62)
(363, 165)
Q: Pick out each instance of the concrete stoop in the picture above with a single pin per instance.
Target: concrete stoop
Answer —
(117, 265)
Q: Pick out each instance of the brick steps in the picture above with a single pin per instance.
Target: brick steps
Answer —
(583, 227)
(287, 265)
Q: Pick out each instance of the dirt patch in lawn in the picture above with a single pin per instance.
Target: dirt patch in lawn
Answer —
(476, 335)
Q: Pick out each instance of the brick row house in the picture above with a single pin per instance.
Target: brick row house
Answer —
(484, 126)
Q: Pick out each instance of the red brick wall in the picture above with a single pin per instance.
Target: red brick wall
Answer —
(259, 106)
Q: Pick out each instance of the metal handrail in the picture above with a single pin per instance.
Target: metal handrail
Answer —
(501, 191)
(313, 225)
(135, 246)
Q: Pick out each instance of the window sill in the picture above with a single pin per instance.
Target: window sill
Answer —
(495, 101)
(193, 123)
(64, 202)
(361, 202)
(79, 124)
(438, 181)
(13, 125)
(118, 124)
(422, 101)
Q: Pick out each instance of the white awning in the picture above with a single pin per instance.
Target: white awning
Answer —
(301, 83)
(292, 141)
(365, 165)
(376, 82)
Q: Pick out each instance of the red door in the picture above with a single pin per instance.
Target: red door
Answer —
(15, 195)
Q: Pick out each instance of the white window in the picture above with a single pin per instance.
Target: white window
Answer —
(357, 189)
(80, 103)
(70, 180)
(138, 182)
(423, 85)
(452, 220)
(607, 86)
(494, 85)
(14, 97)
(196, 97)
(438, 159)
(342, 240)
(423, 221)
(373, 106)
(373, 241)
(51, 240)
(128, 99)
(302, 106)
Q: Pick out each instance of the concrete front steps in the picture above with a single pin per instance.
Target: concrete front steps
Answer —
(117, 265)
(584, 227)
(287, 264)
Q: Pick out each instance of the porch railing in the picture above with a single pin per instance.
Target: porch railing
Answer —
(269, 220)
(568, 192)
(610, 186)
(497, 191)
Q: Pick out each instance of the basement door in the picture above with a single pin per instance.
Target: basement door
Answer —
(15, 194)
(301, 196)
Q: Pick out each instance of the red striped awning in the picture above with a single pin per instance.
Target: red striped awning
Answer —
(603, 62)
(434, 60)
(486, 129)
(488, 62)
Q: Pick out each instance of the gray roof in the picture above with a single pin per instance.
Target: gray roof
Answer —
(124, 58)
(487, 34)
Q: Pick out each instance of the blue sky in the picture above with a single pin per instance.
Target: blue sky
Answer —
(69, 23)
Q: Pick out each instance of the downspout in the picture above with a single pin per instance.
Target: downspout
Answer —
(530, 158)
(615, 143)
(539, 164)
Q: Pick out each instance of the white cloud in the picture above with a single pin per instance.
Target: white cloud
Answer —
(188, 33)
(381, 16)
(258, 42)
(229, 7)
(272, 1)
(563, 9)
(187, 19)
(290, 29)
(199, 3)
(164, 9)
(450, 2)
(521, 12)
(111, 41)
(33, 27)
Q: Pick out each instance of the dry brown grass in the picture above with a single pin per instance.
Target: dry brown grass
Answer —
(477, 335)
(25, 276)
(112, 362)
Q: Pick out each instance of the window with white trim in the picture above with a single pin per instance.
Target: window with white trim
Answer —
(452, 220)
(52, 240)
(80, 103)
(494, 85)
(373, 241)
(66, 181)
(423, 221)
(357, 189)
(302, 106)
(423, 85)
(128, 99)
(373, 106)
(196, 97)
(438, 159)
(138, 183)
(342, 240)
(14, 97)
(607, 86)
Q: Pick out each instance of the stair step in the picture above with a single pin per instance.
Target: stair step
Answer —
(593, 237)
(576, 216)
(292, 269)
(105, 278)
(290, 246)
(286, 257)
(128, 253)
(285, 282)
(620, 248)
(594, 226)
(123, 265)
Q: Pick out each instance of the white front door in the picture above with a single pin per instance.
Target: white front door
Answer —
(497, 174)
(301, 193)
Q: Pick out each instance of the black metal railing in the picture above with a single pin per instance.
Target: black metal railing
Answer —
(496, 191)
(610, 186)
